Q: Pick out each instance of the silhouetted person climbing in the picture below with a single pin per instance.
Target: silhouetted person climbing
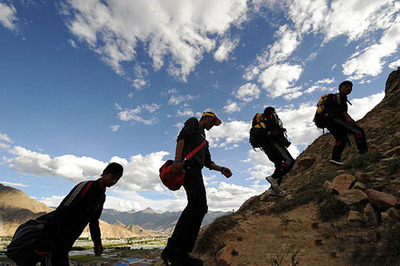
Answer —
(340, 124)
(268, 134)
(187, 228)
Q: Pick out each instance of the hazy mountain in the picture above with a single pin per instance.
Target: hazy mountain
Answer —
(149, 219)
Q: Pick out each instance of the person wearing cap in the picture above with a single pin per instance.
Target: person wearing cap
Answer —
(183, 239)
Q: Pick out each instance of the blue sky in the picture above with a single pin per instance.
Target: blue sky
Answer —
(84, 83)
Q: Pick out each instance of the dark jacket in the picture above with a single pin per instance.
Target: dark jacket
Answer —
(193, 134)
(81, 206)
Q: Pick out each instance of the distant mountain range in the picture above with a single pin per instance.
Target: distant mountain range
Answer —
(16, 208)
(151, 220)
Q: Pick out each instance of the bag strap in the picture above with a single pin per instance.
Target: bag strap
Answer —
(193, 152)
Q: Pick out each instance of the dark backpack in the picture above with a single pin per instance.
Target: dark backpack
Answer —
(323, 108)
(266, 128)
(25, 237)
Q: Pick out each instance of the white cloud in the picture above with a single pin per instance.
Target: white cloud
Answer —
(140, 81)
(136, 114)
(73, 43)
(308, 15)
(370, 60)
(53, 201)
(4, 146)
(362, 106)
(225, 49)
(185, 112)
(357, 18)
(68, 166)
(228, 134)
(140, 171)
(13, 184)
(114, 128)
(395, 64)
(4, 137)
(247, 92)
(231, 107)
(178, 99)
(8, 16)
(287, 42)
(227, 196)
(277, 79)
(177, 28)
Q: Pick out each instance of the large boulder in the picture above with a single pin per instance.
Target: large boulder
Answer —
(342, 182)
(307, 161)
(352, 196)
(381, 200)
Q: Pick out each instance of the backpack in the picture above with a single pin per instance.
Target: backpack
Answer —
(322, 113)
(264, 130)
(25, 237)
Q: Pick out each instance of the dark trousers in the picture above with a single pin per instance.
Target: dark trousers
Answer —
(340, 129)
(280, 156)
(188, 226)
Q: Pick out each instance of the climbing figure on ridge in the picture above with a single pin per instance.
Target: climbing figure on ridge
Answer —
(268, 134)
(332, 114)
(182, 241)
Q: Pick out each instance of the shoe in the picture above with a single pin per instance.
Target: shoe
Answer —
(336, 161)
(272, 181)
(277, 192)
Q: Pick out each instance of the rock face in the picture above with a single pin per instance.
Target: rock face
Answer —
(281, 230)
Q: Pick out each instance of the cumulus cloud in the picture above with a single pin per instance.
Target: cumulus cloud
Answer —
(228, 135)
(231, 107)
(226, 47)
(357, 18)
(370, 61)
(247, 92)
(362, 106)
(227, 196)
(8, 16)
(136, 113)
(183, 30)
(395, 64)
(277, 79)
(140, 171)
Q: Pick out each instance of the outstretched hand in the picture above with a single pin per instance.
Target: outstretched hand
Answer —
(226, 172)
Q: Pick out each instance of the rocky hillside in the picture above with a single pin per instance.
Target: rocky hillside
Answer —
(16, 208)
(346, 215)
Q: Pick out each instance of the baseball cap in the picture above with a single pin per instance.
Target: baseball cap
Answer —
(211, 112)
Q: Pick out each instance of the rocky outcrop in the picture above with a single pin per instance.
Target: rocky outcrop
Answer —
(367, 188)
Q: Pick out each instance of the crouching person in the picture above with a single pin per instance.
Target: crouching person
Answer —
(82, 206)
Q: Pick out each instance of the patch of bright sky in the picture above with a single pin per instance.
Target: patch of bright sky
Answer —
(84, 83)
